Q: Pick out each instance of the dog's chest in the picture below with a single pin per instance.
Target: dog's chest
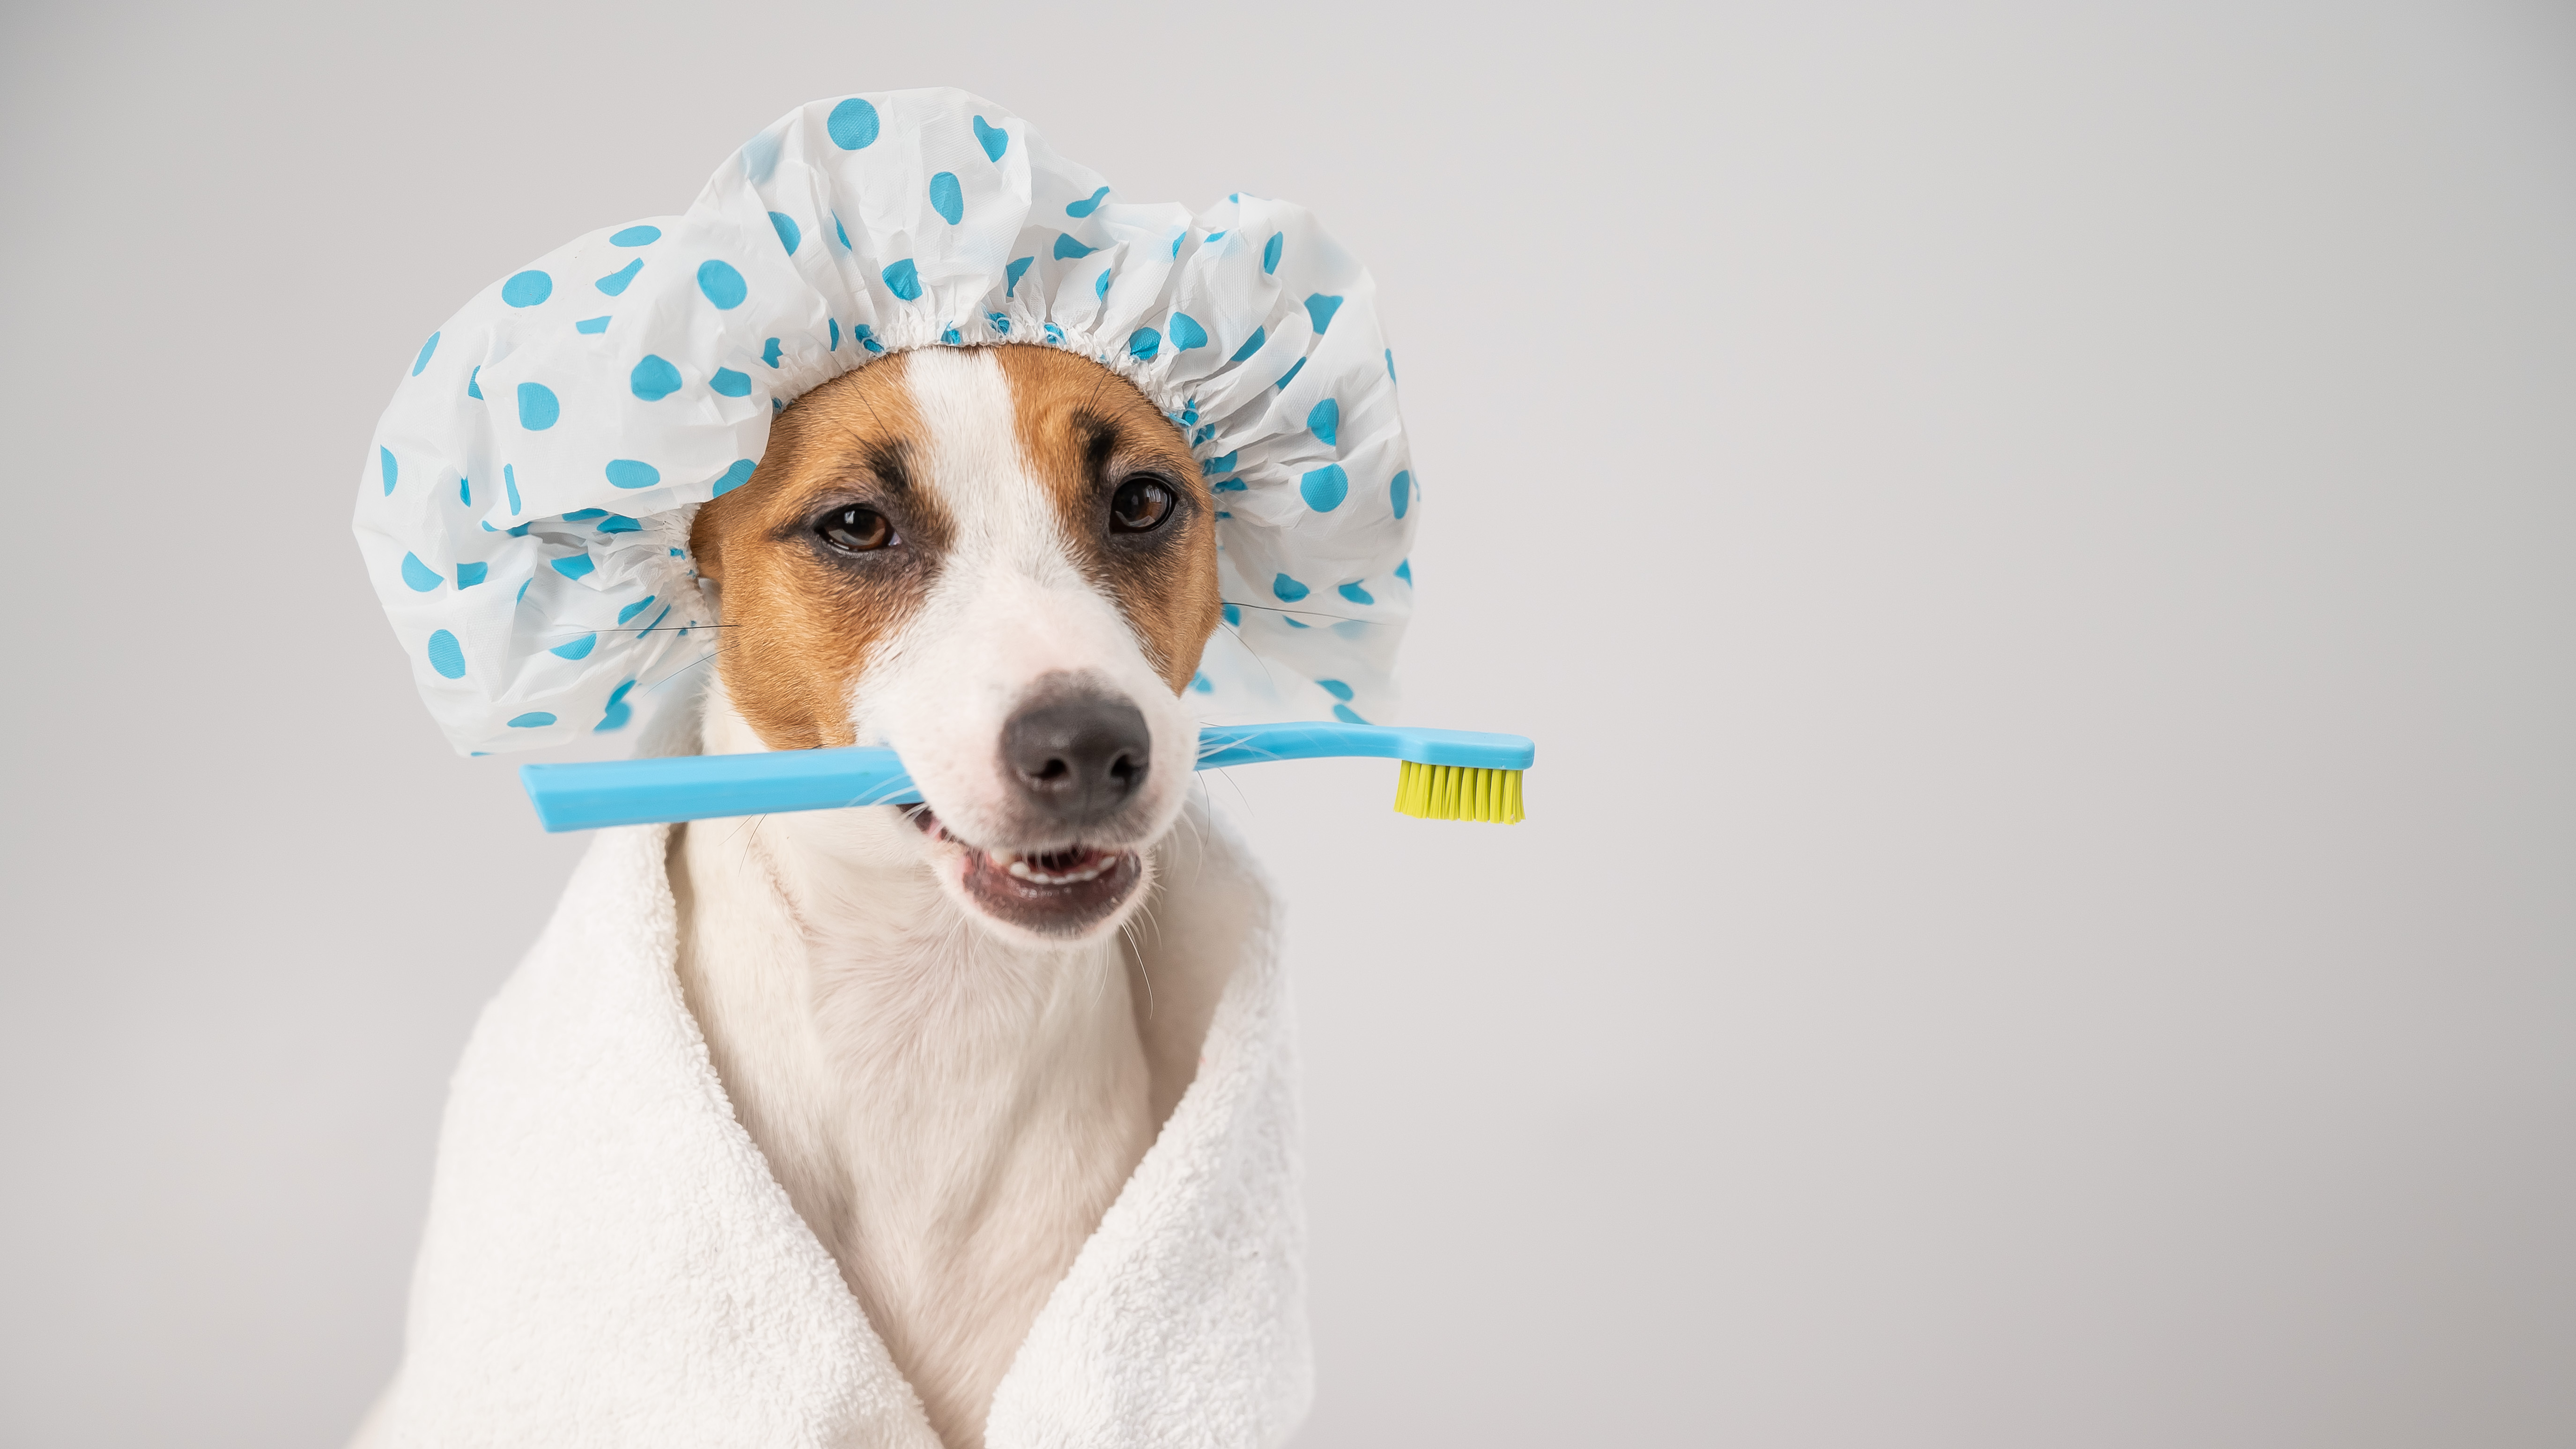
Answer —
(949, 1114)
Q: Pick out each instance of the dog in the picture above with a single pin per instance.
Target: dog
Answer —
(948, 1027)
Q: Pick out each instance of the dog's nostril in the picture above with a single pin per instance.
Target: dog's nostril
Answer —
(1078, 754)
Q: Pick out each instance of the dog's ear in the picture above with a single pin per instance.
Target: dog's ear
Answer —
(706, 539)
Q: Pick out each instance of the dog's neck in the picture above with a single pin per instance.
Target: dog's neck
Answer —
(949, 1111)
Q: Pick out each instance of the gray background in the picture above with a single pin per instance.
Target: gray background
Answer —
(2037, 546)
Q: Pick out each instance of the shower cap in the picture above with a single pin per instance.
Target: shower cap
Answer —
(525, 512)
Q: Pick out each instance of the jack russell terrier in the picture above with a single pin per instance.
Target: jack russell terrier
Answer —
(947, 1027)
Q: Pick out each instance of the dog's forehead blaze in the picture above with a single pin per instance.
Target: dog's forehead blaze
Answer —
(1076, 417)
(799, 632)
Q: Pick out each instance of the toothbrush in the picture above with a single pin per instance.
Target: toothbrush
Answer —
(1445, 775)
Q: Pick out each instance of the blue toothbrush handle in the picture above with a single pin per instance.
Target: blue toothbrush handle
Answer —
(1324, 740)
(713, 787)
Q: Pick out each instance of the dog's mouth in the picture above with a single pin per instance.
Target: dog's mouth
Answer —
(1059, 892)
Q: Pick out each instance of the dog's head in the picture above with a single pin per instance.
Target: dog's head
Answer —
(1002, 562)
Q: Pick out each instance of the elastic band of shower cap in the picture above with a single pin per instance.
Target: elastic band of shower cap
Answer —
(525, 513)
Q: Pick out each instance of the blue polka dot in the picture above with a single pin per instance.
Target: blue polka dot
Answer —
(531, 720)
(1356, 594)
(722, 285)
(419, 575)
(1228, 485)
(1233, 616)
(1202, 684)
(866, 337)
(426, 349)
(835, 324)
(790, 235)
(573, 567)
(760, 157)
(465, 492)
(633, 609)
(446, 655)
(1011, 275)
(1000, 323)
(838, 232)
(1186, 332)
(1054, 333)
(1324, 420)
(731, 383)
(474, 384)
(769, 352)
(1320, 310)
(510, 485)
(1336, 689)
(1290, 375)
(904, 280)
(470, 574)
(1400, 492)
(1404, 571)
(1270, 252)
(1069, 250)
(527, 289)
(1223, 462)
(951, 337)
(591, 326)
(1324, 488)
(992, 138)
(1390, 364)
(627, 473)
(614, 284)
(947, 197)
(1087, 207)
(1100, 289)
(1251, 344)
(653, 379)
(618, 711)
(734, 477)
(1347, 715)
(1288, 589)
(1143, 343)
(619, 523)
(386, 465)
(537, 407)
(1296, 623)
(852, 124)
(578, 649)
(636, 236)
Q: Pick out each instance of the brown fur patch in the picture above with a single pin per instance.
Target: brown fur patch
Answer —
(801, 619)
(1085, 430)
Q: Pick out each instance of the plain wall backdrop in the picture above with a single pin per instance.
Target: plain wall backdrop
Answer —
(2038, 543)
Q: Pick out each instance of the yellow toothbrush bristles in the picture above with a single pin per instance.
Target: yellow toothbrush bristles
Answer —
(1448, 792)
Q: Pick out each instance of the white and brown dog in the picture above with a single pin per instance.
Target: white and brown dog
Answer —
(1002, 562)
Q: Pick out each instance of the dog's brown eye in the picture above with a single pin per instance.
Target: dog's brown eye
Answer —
(1140, 506)
(857, 530)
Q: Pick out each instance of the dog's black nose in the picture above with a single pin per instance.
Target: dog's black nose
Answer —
(1077, 756)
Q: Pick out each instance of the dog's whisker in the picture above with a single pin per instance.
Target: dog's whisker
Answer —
(1314, 613)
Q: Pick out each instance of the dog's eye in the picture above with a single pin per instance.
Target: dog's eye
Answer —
(1140, 506)
(857, 530)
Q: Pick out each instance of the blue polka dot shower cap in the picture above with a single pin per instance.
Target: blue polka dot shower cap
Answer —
(525, 511)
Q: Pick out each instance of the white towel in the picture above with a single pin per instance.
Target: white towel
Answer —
(608, 1260)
